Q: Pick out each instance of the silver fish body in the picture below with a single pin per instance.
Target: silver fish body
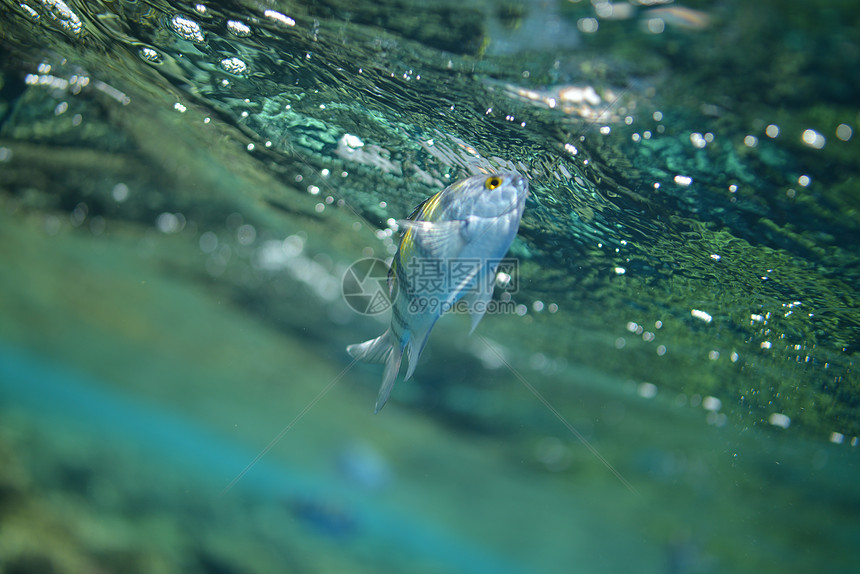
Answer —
(449, 252)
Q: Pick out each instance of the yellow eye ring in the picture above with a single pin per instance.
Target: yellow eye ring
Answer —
(493, 182)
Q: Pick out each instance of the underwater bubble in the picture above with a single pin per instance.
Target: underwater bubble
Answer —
(350, 141)
(587, 25)
(150, 55)
(246, 234)
(701, 315)
(655, 25)
(538, 361)
(698, 140)
(779, 420)
(647, 390)
(844, 132)
(187, 29)
(32, 14)
(712, 404)
(170, 222)
(52, 224)
(208, 242)
(79, 214)
(62, 15)
(279, 18)
(772, 131)
(233, 66)
(813, 139)
(238, 28)
(120, 192)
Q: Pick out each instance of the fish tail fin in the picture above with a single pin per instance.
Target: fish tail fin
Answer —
(372, 351)
(380, 350)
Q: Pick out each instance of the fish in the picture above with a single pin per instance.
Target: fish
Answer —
(448, 254)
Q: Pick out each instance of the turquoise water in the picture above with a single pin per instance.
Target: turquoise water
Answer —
(184, 185)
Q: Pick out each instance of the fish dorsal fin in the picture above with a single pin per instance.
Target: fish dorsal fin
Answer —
(439, 240)
(414, 215)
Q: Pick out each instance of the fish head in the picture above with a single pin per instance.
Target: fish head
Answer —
(494, 195)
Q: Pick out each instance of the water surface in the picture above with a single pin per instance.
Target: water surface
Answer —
(183, 185)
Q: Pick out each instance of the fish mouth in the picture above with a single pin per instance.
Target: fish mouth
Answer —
(516, 191)
(520, 183)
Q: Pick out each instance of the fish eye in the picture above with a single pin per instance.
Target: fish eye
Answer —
(493, 182)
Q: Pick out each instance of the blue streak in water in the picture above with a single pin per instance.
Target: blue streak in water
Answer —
(57, 393)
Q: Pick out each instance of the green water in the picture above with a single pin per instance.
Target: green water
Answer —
(183, 186)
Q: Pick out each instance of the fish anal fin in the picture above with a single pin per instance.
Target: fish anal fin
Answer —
(382, 349)
(392, 367)
(414, 350)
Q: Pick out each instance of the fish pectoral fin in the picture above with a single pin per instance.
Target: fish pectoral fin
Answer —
(437, 240)
(471, 281)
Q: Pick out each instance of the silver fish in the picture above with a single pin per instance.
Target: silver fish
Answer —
(449, 252)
